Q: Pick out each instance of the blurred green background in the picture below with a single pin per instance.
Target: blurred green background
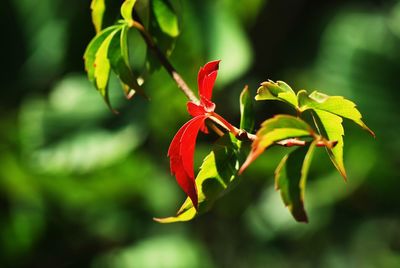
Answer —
(79, 186)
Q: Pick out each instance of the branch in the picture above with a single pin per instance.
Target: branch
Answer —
(165, 62)
(296, 142)
(243, 135)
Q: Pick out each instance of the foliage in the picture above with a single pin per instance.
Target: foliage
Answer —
(79, 186)
(109, 50)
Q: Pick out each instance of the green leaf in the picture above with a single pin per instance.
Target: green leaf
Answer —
(281, 127)
(126, 10)
(330, 110)
(91, 50)
(332, 104)
(291, 177)
(246, 111)
(276, 129)
(98, 7)
(119, 62)
(166, 17)
(331, 126)
(277, 91)
(102, 66)
(218, 175)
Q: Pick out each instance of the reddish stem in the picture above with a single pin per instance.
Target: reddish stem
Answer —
(223, 123)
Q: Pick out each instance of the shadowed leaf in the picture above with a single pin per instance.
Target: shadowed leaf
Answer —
(117, 55)
(166, 17)
(290, 179)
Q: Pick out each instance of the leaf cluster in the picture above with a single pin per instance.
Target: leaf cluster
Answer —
(221, 168)
(155, 21)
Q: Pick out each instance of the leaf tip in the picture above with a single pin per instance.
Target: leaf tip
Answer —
(160, 220)
(371, 132)
(251, 157)
(299, 214)
(343, 172)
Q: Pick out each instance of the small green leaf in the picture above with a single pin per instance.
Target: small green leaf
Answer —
(331, 125)
(118, 60)
(291, 177)
(91, 50)
(332, 104)
(126, 10)
(98, 7)
(166, 17)
(218, 175)
(283, 121)
(246, 110)
(277, 91)
(102, 66)
(276, 129)
(330, 110)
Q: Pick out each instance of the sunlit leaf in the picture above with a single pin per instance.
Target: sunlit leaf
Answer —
(102, 66)
(331, 126)
(166, 17)
(332, 104)
(290, 179)
(206, 79)
(330, 110)
(91, 50)
(98, 7)
(276, 129)
(277, 91)
(218, 174)
(182, 157)
(246, 111)
(126, 10)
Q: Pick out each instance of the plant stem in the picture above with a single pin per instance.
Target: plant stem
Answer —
(165, 63)
(296, 142)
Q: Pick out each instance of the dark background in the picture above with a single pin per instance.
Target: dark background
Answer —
(79, 186)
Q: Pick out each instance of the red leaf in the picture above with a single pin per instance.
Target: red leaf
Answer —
(181, 150)
(195, 110)
(208, 105)
(181, 153)
(206, 79)
(188, 143)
